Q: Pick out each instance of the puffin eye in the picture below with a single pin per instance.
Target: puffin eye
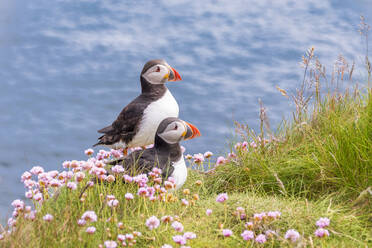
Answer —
(158, 69)
(175, 127)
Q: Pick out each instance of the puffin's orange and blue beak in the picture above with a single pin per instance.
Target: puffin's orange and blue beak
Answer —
(192, 132)
(174, 75)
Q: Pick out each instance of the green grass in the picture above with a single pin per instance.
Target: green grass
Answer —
(316, 165)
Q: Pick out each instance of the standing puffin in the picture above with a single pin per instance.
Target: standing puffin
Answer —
(166, 153)
(137, 123)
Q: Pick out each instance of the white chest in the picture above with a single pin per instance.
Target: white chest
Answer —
(157, 111)
(180, 172)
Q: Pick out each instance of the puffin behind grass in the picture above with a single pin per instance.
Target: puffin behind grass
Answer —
(166, 153)
(137, 123)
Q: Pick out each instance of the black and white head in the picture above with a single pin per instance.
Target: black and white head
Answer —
(173, 130)
(158, 71)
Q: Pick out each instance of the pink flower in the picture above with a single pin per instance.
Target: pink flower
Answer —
(66, 164)
(247, 235)
(90, 230)
(177, 226)
(185, 202)
(81, 222)
(28, 194)
(121, 237)
(221, 160)
(232, 155)
(117, 169)
(189, 235)
(129, 236)
(183, 149)
(179, 239)
(26, 176)
(110, 178)
(48, 217)
(188, 156)
(116, 153)
(113, 203)
(198, 158)
(208, 154)
(222, 197)
(31, 215)
(323, 222)
(208, 212)
(166, 218)
(1, 236)
(274, 214)
(36, 170)
(38, 197)
(18, 204)
(261, 238)
(292, 234)
(321, 232)
(110, 244)
(166, 246)
(152, 222)
(89, 216)
(227, 232)
(129, 196)
(259, 216)
(127, 178)
(71, 185)
(89, 151)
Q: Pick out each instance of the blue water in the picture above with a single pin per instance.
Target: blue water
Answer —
(67, 68)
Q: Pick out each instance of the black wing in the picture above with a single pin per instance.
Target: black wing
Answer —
(126, 125)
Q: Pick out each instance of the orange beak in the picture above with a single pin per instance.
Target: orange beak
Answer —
(192, 132)
(174, 75)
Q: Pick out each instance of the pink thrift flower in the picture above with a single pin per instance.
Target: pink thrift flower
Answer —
(152, 222)
(166, 246)
(221, 160)
(208, 154)
(48, 217)
(26, 176)
(81, 222)
(188, 156)
(36, 170)
(185, 202)
(166, 218)
(53, 173)
(208, 212)
(222, 197)
(110, 178)
(179, 239)
(189, 235)
(121, 237)
(117, 169)
(238, 146)
(292, 234)
(129, 196)
(232, 155)
(321, 232)
(66, 164)
(113, 203)
(89, 216)
(247, 235)
(177, 226)
(18, 204)
(127, 178)
(116, 153)
(71, 185)
(183, 149)
(89, 152)
(259, 216)
(129, 236)
(38, 197)
(323, 222)
(227, 232)
(28, 194)
(110, 244)
(2, 237)
(274, 214)
(90, 230)
(261, 238)
(198, 158)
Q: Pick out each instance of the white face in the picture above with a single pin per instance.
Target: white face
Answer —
(174, 132)
(158, 74)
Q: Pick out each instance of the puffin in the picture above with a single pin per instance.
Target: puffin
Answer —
(137, 123)
(166, 153)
